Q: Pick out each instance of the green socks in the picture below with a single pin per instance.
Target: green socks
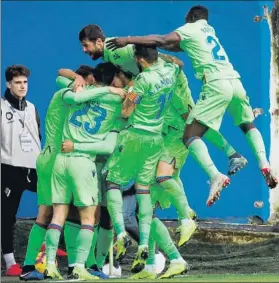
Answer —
(151, 250)
(200, 153)
(71, 231)
(103, 244)
(84, 242)
(160, 232)
(255, 141)
(91, 257)
(219, 141)
(52, 240)
(145, 214)
(35, 240)
(176, 195)
(115, 204)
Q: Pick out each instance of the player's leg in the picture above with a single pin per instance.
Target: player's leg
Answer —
(243, 116)
(129, 213)
(121, 169)
(172, 159)
(61, 197)
(208, 113)
(37, 234)
(105, 236)
(236, 160)
(150, 149)
(82, 178)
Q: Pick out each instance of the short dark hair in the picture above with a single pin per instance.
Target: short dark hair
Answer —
(149, 53)
(92, 33)
(196, 13)
(84, 71)
(104, 73)
(16, 71)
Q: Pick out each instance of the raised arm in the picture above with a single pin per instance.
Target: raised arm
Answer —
(171, 59)
(158, 40)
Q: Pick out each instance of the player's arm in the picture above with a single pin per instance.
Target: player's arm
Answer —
(172, 47)
(104, 147)
(171, 59)
(63, 82)
(158, 40)
(71, 97)
(70, 74)
(134, 96)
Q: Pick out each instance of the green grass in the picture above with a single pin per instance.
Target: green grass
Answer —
(194, 278)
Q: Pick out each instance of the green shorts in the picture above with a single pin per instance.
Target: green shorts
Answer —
(74, 178)
(135, 157)
(174, 150)
(159, 197)
(44, 167)
(215, 97)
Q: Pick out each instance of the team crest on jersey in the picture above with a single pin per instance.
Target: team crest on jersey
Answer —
(116, 56)
(9, 116)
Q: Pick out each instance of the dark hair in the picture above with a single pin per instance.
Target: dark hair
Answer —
(196, 13)
(92, 33)
(16, 71)
(84, 71)
(104, 73)
(150, 53)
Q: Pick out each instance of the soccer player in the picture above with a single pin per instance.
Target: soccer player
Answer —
(72, 226)
(222, 89)
(74, 176)
(54, 125)
(140, 146)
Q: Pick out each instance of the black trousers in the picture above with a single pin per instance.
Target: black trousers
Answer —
(14, 180)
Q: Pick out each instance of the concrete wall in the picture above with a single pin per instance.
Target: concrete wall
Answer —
(44, 36)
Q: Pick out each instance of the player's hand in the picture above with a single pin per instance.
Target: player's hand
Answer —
(115, 43)
(79, 82)
(119, 91)
(67, 146)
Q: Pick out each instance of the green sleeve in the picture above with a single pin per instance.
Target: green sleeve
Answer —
(139, 90)
(71, 97)
(63, 82)
(104, 147)
(109, 98)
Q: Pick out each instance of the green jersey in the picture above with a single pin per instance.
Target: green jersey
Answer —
(208, 57)
(181, 103)
(54, 122)
(152, 95)
(91, 121)
(123, 58)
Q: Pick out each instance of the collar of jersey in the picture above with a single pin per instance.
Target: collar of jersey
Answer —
(154, 66)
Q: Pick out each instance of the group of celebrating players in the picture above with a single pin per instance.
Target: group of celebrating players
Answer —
(132, 119)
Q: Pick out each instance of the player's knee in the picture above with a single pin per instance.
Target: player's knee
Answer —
(111, 186)
(246, 127)
(161, 179)
(166, 169)
(105, 220)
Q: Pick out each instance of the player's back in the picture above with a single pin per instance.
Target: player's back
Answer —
(208, 56)
(54, 122)
(154, 87)
(91, 121)
(181, 103)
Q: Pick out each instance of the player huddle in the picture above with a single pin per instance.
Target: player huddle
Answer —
(133, 119)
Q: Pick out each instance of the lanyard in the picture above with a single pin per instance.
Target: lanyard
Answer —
(22, 121)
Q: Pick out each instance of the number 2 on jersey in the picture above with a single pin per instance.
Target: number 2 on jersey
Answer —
(211, 40)
(87, 126)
